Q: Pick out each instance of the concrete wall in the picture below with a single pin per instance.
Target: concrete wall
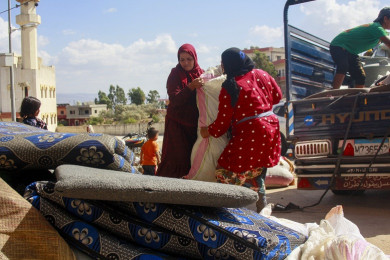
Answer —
(116, 130)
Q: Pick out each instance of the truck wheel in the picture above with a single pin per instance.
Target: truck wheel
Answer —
(283, 143)
(348, 192)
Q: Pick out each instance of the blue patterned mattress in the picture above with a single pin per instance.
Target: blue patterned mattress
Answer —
(133, 230)
(26, 147)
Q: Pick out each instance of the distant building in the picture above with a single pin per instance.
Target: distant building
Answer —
(277, 57)
(31, 77)
(61, 114)
(79, 114)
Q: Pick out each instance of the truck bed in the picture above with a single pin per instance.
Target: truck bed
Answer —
(328, 116)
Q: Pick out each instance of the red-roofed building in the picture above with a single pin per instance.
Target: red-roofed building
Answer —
(61, 114)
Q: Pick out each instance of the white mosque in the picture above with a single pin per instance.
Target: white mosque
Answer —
(31, 77)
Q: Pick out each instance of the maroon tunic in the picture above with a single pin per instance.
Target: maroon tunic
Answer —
(181, 121)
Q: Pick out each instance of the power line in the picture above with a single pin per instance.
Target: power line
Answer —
(16, 6)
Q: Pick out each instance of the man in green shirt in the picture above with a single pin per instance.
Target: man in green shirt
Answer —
(346, 46)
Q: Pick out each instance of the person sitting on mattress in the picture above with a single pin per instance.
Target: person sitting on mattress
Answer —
(245, 106)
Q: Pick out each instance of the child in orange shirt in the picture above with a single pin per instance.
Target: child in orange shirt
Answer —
(150, 156)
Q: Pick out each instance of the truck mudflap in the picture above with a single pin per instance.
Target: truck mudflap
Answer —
(353, 173)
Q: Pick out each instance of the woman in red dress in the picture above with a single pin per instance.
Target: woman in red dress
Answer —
(181, 121)
(245, 106)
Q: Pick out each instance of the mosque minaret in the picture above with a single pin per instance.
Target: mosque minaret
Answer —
(28, 21)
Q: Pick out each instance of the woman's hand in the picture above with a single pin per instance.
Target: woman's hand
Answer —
(196, 83)
(204, 132)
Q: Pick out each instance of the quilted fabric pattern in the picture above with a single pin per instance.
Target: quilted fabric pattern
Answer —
(88, 238)
(25, 147)
(195, 232)
(102, 216)
(231, 233)
(22, 228)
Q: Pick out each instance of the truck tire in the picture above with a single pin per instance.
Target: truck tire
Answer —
(348, 192)
(283, 143)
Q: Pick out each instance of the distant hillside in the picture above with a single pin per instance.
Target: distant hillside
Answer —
(73, 98)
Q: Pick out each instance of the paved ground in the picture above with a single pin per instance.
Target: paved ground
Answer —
(369, 211)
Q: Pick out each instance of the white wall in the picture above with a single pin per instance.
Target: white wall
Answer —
(116, 130)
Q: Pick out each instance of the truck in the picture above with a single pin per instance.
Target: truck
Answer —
(340, 136)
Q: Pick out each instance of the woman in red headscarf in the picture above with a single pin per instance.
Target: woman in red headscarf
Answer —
(181, 121)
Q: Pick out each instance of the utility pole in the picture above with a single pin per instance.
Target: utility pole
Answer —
(13, 112)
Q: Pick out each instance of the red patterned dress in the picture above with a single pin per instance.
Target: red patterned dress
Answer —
(255, 138)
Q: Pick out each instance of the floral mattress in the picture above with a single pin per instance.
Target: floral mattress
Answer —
(26, 147)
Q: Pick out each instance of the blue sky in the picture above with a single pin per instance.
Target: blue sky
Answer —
(94, 44)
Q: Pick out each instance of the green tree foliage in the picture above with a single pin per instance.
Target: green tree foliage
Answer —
(111, 95)
(136, 96)
(120, 96)
(107, 116)
(103, 99)
(153, 96)
(117, 96)
(127, 114)
(261, 62)
(119, 112)
(95, 120)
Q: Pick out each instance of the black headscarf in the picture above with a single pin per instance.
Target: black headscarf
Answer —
(235, 62)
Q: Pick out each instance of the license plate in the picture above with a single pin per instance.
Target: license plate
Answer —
(363, 147)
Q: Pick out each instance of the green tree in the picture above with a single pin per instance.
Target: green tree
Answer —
(120, 96)
(136, 96)
(96, 120)
(153, 96)
(103, 99)
(261, 62)
(116, 96)
(111, 95)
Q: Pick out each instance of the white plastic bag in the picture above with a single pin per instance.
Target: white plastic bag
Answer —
(348, 243)
(337, 238)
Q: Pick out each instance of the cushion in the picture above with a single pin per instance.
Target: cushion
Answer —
(196, 232)
(206, 152)
(99, 184)
(24, 232)
(26, 147)
(281, 175)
